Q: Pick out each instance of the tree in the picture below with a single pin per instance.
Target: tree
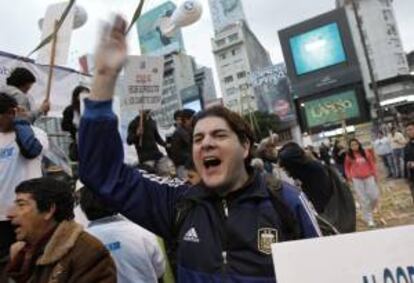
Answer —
(262, 123)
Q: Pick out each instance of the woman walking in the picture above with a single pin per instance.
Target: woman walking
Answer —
(71, 119)
(360, 170)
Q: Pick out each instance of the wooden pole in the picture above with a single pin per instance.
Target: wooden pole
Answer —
(141, 127)
(52, 62)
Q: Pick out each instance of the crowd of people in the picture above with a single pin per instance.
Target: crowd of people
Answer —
(216, 198)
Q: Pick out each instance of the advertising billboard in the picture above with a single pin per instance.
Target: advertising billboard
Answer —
(194, 105)
(320, 54)
(317, 49)
(332, 109)
(327, 110)
(151, 40)
(225, 12)
(273, 92)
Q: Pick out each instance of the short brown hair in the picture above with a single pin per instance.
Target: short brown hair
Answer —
(236, 123)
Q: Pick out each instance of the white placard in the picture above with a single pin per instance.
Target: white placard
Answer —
(381, 256)
(144, 75)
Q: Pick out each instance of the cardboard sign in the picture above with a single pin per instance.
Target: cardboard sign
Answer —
(381, 256)
(144, 75)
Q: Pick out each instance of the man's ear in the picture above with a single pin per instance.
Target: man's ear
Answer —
(246, 146)
(48, 215)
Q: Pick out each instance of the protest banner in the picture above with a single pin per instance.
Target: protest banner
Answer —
(144, 76)
(381, 256)
(64, 81)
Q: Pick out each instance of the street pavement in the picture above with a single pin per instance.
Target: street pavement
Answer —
(395, 207)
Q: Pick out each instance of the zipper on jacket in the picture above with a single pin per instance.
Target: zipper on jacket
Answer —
(224, 254)
(225, 208)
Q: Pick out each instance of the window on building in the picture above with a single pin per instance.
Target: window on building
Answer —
(235, 51)
(233, 37)
(220, 42)
(231, 91)
(228, 79)
(222, 56)
(241, 75)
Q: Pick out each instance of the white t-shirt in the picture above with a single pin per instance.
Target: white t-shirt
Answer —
(397, 141)
(14, 168)
(136, 252)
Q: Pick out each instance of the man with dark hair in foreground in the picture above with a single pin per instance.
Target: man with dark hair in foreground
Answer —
(221, 229)
(52, 247)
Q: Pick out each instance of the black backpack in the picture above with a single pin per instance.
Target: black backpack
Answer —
(340, 210)
(290, 224)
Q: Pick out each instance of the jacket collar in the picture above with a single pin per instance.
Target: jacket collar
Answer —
(255, 187)
(61, 242)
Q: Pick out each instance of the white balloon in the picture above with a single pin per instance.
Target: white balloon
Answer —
(81, 17)
(186, 14)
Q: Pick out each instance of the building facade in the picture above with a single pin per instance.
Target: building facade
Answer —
(205, 81)
(378, 29)
(225, 13)
(238, 53)
(183, 82)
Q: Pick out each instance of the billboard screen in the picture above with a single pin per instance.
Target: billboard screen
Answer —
(194, 105)
(273, 92)
(225, 12)
(320, 55)
(317, 49)
(151, 40)
(332, 109)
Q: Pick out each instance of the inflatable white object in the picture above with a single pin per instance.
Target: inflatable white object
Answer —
(186, 14)
(81, 17)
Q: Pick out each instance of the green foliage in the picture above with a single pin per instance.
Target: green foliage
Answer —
(263, 123)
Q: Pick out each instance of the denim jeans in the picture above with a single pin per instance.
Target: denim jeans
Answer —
(399, 162)
(389, 163)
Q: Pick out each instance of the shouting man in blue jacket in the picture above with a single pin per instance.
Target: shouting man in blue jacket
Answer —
(222, 228)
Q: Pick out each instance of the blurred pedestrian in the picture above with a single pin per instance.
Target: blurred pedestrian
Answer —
(409, 156)
(181, 141)
(325, 153)
(361, 171)
(327, 191)
(382, 147)
(339, 154)
(267, 152)
(311, 173)
(71, 119)
(398, 143)
(192, 177)
(143, 134)
(19, 83)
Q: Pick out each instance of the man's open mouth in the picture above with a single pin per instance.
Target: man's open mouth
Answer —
(211, 162)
